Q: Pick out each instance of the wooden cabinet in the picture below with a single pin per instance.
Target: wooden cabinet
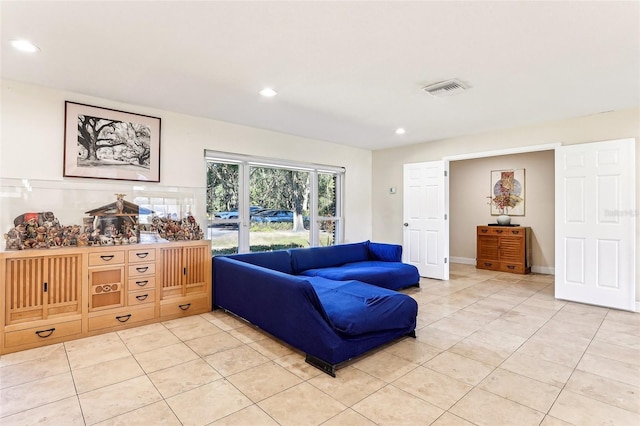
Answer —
(186, 277)
(55, 295)
(504, 248)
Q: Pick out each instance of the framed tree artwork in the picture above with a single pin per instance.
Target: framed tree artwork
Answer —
(104, 143)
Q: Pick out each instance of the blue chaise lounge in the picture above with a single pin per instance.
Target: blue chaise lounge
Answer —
(333, 303)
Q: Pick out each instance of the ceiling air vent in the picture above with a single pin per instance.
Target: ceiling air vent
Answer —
(445, 88)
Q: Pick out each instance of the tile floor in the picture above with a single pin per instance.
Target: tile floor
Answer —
(491, 349)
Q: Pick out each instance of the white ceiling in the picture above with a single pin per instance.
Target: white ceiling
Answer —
(346, 72)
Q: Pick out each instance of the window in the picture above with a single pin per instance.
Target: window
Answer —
(256, 204)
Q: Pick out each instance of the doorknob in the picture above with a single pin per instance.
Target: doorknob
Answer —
(406, 224)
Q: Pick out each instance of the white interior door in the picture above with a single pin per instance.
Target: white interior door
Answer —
(426, 228)
(595, 223)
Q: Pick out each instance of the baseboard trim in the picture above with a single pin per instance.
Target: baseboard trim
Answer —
(547, 270)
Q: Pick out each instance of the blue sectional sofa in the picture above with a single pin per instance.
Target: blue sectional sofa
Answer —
(333, 303)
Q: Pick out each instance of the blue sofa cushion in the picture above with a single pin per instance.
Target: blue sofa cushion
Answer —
(278, 260)
(356, 308)
(323, 257)
(391, 275)
(385, 252)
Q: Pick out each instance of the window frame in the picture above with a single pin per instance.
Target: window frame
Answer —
(245, 162)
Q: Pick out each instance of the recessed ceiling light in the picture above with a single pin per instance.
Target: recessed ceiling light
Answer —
(24, 46)
(400, 131)
(268, 92)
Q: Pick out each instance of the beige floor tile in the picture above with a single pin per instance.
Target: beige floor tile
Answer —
(610, 325)
(271, 348)
(484, 408)
(412, 350)
(114, 400)
(438, 338)
(348, 418)
(29, 355)
(296, 364)
(393, 406)
(521, 327)
(436, 388)
(236, 360)
(53, 363)
(261, 382)
(591, 317)
(252, 415)
(615, 352)
(575, 329)
(168, 356)
(580, 410)
(621, 339)
(349, 386)
(181, 322)
(384, 366)
(95, 350)
(150, 341)
(301, 405)
(501, 340)
(139, 331)
(460, 368)
(107, 373)
(194, 330)
(606, 390)
(537, 369)
(156, 414)
(64, 412)
(224, 320)
(632, 318)
(534, 310)
(552, 421)
(214, 343)
(481, 351)
(247, 334)
(606, 367)
(208, 403)
(36, 394)
(455, 326)
(553, 335)
(448, 419)
(474, 317)
(523, 390)
(563, 355)
(183, 377)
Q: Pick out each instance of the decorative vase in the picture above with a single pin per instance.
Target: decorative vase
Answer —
(504, 219)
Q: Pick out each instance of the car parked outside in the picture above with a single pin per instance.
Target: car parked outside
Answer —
(273, 216)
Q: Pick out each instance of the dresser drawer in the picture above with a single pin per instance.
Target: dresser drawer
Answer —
(184, 306)
(501, 231)
(517, 268)
(42, 334)
(106, 258)
(121, 318)
(142, 255)
(141, 269)
(141, 283)
(141, 297)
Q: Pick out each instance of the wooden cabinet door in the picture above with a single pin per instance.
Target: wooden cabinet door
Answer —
(42, 287)
(184, 270)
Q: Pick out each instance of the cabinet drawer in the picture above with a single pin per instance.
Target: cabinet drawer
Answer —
(184, 306)
(513, 267)
(501, 231)
(121, 318)
(141, 297)
(142, 269)
(145, 255)
(42, 333)
(141, 283)
(488, 264)
(106, 258)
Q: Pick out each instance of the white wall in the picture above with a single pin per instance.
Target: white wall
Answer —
(388, 164)
(31, 147)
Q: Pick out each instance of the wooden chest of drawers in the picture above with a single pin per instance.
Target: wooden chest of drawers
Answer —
(504, 248)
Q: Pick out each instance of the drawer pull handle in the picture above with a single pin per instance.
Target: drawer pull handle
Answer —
(107, 258)
(142, 269)
(499, 231)
(484, 231)
(142, 283)
(487, 264)
(185, 306)
(142, 255)
(511, 266)
(124, 318)
(142, 296)
(515, 232)
(45, 333)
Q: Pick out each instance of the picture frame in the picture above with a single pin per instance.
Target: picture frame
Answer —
(103, 143)
(508, 192)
